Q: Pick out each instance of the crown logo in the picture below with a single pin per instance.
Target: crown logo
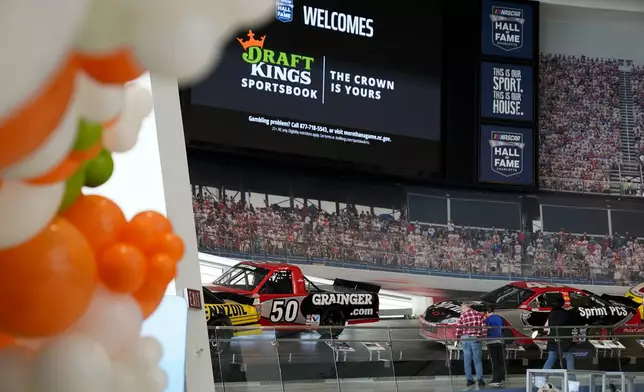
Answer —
(251, 41)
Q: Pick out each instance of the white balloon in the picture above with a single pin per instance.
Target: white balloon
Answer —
(15, 362)
(138, 100)
(104, 28)
(25, 209)
(51, 153)
(98, 102)
(156, 380)
(122, 136)
(112, 320)
(180, 41)
(125, 378)
(148, 352)
(252, 12)
(72, 363)
(35, 37)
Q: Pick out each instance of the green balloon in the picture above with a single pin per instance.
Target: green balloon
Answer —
(88, 135)
(73, 188)
(99, 169)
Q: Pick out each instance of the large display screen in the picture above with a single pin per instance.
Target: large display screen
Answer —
(508, 29)
(334, 79)
(507, 91)
(506, 155)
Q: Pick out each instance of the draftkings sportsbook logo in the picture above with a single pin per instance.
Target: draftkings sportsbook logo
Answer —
(507, 28)
(276, 72)
(507, 153)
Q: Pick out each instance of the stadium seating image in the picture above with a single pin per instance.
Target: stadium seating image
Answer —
(357, 239)
(579, 121)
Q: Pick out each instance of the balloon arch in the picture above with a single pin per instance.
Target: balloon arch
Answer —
(77, 278)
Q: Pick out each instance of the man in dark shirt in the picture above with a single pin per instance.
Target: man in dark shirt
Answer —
(495, 347)
(560, 339)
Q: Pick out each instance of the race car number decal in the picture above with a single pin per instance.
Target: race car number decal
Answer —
(284, 311)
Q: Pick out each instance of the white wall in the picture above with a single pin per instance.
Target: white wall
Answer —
(592, 32)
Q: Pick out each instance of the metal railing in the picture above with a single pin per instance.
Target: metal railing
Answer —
(483, 265)
(289, 358)
(577, 185)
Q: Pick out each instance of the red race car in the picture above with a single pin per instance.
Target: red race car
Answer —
(525, 306)
(284, 296)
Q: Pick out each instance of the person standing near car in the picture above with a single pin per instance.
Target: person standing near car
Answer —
(495, 346)
(470, 331)
(560, 339)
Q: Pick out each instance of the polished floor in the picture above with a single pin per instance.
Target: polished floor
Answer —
(439, 384)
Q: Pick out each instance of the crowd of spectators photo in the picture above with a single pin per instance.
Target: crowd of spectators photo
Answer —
(240, 229)
(579, 123)
(580, 147)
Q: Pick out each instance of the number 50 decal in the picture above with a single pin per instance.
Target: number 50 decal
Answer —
(284, 311)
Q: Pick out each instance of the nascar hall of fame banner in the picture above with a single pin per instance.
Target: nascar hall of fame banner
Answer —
(506, 155)
(507, 91)
(508, 29)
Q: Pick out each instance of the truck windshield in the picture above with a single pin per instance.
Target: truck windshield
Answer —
(242, 277)
(507, 296)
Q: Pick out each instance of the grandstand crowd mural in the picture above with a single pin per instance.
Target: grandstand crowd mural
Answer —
(240, 225)
(591, 101)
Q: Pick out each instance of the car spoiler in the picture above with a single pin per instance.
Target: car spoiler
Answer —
(620, 300)
(350, 284)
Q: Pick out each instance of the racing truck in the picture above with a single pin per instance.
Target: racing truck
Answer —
(525, 306)
(283, 296)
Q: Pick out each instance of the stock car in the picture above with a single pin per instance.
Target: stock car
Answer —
(636, 294)
(227, 313)
(285, 297)
(525, 306)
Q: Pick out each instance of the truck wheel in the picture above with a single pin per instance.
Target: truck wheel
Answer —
(220, 339)
(331, 318)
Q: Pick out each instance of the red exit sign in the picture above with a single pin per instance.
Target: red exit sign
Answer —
(194, 299)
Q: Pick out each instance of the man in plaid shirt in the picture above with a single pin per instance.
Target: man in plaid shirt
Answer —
(470, 331)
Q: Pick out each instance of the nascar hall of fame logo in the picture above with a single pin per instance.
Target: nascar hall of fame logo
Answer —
(284, 10)
(507, 28)
(507, 153)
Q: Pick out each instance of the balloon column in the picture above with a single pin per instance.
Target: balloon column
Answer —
(77, 278)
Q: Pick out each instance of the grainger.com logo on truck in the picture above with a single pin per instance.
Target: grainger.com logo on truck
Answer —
(276, 72)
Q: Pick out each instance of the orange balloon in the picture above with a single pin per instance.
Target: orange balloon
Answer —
(29, 126)
(118, 67)
(99, 219)
(172, 245)
(122, 268)
(86, 155)
(6, 340)
(161, 268)
(149, 296)
(46, 284)
(60, 173)
(146, 231)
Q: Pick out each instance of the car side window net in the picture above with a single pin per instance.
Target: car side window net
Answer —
(546, 300)
(580, 300)
(280, 282)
